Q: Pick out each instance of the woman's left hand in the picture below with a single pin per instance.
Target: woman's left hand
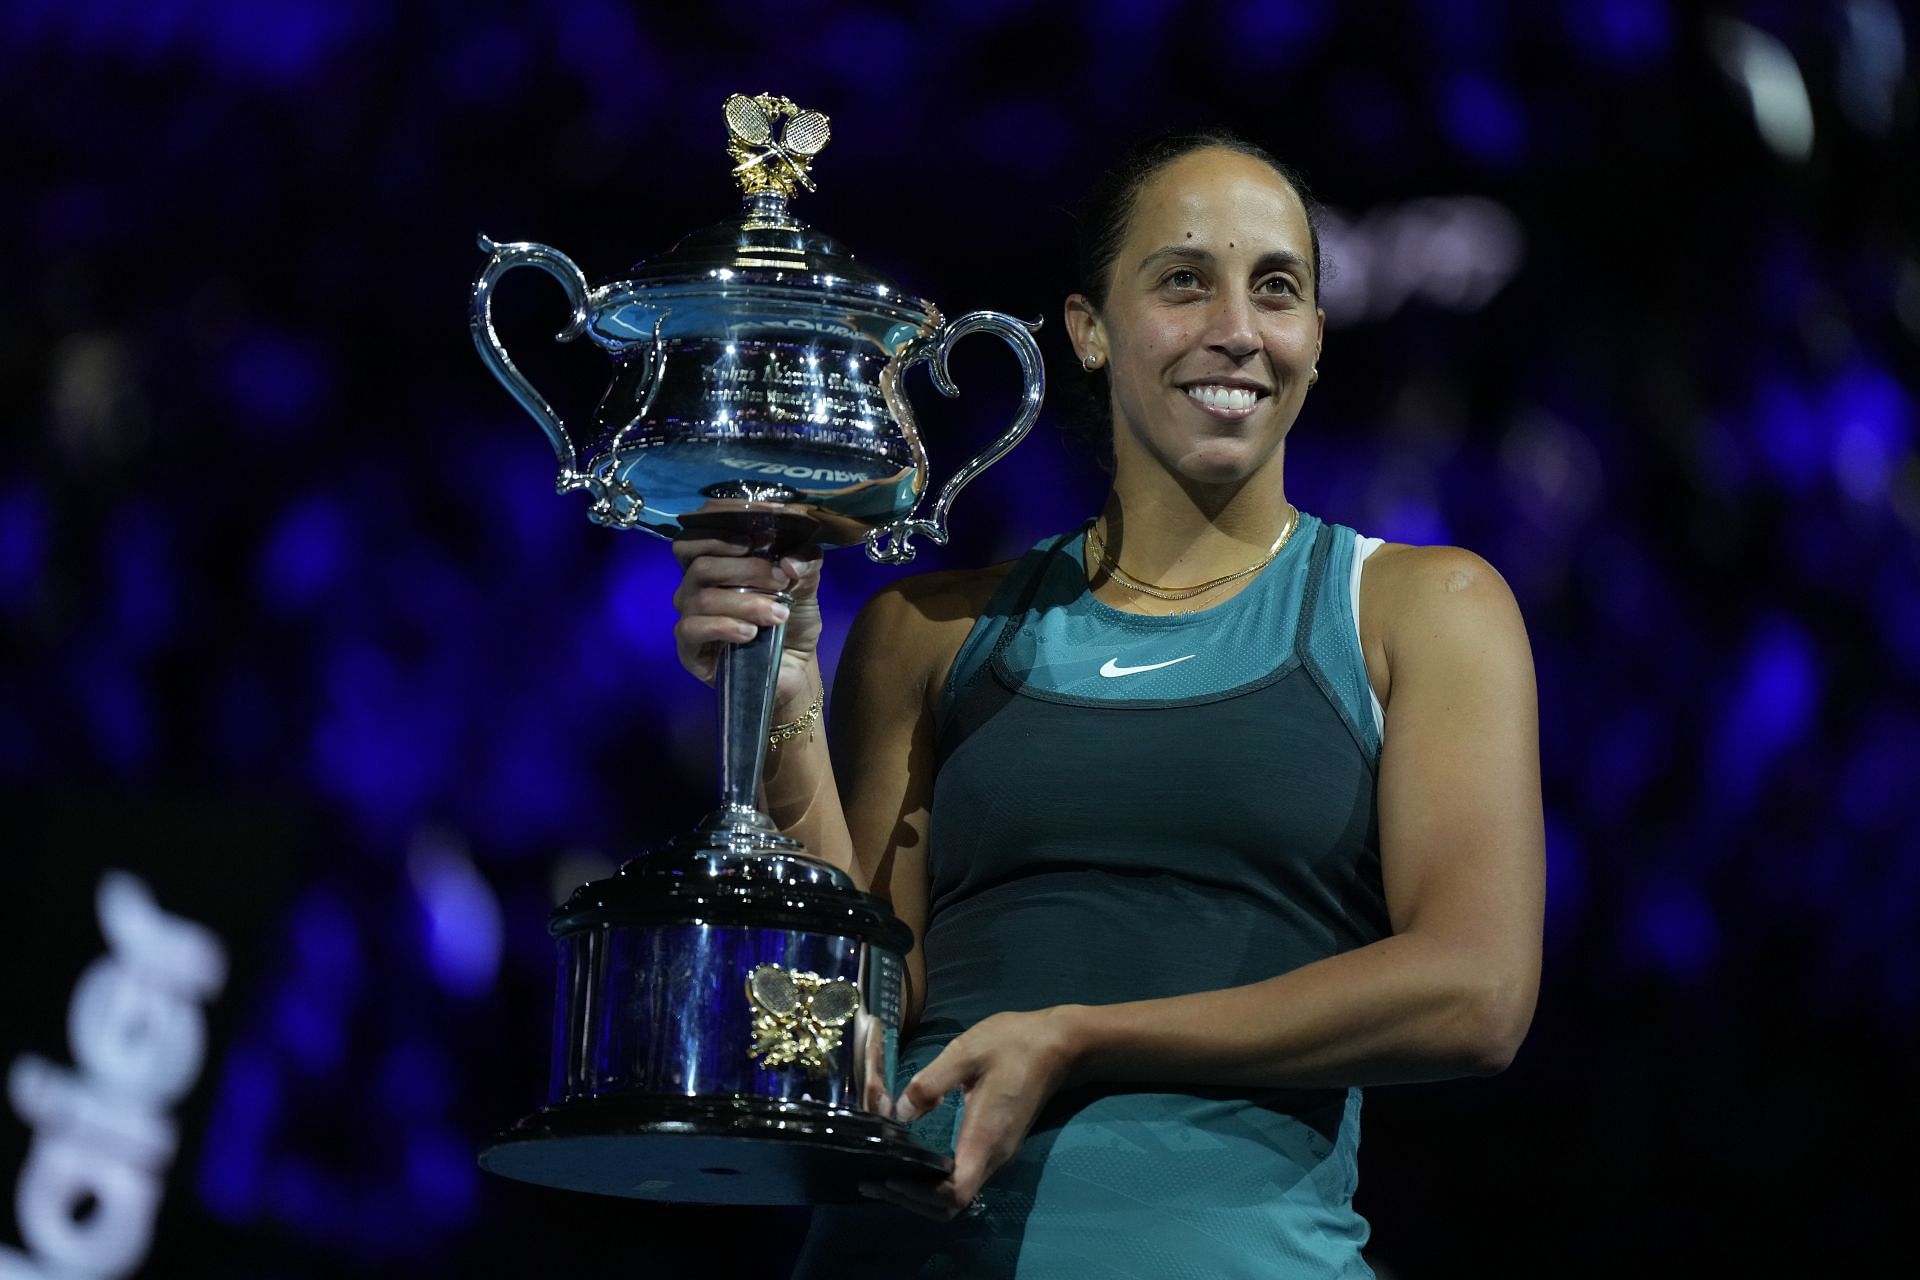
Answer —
(1007, 1066)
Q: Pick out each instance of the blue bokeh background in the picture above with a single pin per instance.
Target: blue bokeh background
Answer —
(1625, 296)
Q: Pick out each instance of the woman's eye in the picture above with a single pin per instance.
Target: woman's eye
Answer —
(1276, 286)
(1184, 278)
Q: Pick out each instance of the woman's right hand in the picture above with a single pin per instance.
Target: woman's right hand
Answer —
(712, 614)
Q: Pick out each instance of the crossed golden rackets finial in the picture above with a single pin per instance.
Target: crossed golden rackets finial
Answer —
(767, 162)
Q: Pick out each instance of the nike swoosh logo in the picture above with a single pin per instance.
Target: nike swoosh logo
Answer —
(1112, 667)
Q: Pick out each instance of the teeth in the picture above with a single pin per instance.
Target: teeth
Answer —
(1223, 397)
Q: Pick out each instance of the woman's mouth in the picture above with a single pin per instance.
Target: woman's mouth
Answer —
(1230, 403)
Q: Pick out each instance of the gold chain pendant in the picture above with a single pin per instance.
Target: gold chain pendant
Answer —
(1132, 583)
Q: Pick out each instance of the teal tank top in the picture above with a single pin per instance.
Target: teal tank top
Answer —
(1130, 807)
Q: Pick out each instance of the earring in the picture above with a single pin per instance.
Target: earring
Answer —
(1092, 362)
(1313, 376)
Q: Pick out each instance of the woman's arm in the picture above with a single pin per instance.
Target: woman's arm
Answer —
(798, 789)
(1450, 993)
(886, 693)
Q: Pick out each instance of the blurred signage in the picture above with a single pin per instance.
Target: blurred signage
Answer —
(138, 930)
(103, 1137)
(1454, 252)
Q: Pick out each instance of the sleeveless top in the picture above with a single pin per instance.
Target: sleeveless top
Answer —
(1129, 807)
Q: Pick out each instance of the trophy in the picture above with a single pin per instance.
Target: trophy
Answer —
(728, 1011)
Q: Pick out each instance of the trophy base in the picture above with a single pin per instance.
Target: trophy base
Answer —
(733, 1151)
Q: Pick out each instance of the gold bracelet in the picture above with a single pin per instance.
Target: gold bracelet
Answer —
(799, 724)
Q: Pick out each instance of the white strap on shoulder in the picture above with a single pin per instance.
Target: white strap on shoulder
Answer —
(1362, 548)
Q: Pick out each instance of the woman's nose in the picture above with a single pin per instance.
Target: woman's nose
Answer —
(1231, 329)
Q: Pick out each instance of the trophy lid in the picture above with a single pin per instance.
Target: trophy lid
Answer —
(766, 244)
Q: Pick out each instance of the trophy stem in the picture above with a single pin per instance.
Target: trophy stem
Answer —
(745, 678)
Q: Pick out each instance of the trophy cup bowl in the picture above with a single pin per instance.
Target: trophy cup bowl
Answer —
(728, 1012)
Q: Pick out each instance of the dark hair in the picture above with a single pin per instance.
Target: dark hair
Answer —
(1103, 217)
(1100, 228)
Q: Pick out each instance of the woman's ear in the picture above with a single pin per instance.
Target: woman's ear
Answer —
(1086, 332)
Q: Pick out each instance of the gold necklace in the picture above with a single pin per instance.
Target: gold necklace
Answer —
(1127, 580)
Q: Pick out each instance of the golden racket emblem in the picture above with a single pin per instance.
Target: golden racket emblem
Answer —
(750, 129)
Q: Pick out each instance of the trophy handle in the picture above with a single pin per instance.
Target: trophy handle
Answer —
(892, 544)
(504, 258)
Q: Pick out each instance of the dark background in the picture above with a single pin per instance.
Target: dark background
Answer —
(1624, 296)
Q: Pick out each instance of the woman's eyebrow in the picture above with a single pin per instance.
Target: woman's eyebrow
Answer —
(1175, 253)
(1283, 260)
(1272, 260)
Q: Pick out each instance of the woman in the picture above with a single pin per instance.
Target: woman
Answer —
(1205, 814)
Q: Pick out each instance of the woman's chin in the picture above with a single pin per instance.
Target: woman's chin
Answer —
(1222, 462)
(1223, 458)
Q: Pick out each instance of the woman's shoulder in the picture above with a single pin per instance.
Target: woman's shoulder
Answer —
(958, 597)
(1414, 595)
(921, 621)
(946, 597)
(925, 619)
(1401, 575)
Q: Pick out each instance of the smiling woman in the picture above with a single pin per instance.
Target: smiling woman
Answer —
(1205, 813)
(1206, 319)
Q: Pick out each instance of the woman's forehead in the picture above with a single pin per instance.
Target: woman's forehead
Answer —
(1219, 195)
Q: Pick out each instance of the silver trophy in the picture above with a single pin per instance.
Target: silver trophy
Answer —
(728, 1012)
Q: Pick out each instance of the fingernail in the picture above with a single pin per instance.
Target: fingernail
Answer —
(780, 612)
(905, 1112)
(870, 1191)
(781, 577)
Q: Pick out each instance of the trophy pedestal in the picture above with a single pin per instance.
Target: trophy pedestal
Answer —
(726, 1030)
(740, 1151)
